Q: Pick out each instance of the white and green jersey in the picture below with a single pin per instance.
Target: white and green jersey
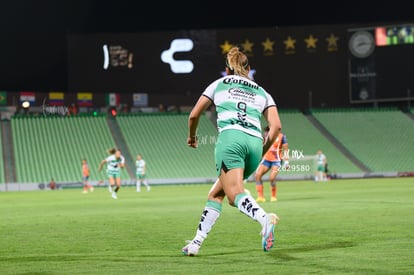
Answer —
(240, 103)
(140, 164)
(113, 164)
(320, 159)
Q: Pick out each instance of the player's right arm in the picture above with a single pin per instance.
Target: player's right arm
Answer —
(122, 163)
(193, 119)
(271, 115)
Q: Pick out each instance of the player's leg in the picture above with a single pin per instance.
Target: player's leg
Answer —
(261, 170)
(233, 187)
(89, 186)
(85, 186)
(112, 186)
(325, 172)
(320, 174)
(273, 185)
(209, 216)
(111, 183)
(317, 173)
(252, 159)
(138, 183)
(145, 182)
(117, 182)
(212, 209)
(232, 181)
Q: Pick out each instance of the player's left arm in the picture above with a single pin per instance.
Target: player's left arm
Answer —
(271, 115)
(122, 163)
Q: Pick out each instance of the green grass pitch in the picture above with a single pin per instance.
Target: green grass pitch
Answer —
(353, 226)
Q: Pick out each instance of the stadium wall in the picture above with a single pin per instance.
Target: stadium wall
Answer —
(13, 187)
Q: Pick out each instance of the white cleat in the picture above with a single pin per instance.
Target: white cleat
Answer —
(268, 231)
(191, 249)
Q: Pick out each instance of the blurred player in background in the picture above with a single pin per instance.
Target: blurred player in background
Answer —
(85, 177)
(114, 163)
(240, 104)
(321, 166)
(52, 184)
(141, 168)
(272, 160)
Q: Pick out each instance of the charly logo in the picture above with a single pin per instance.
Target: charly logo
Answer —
(176, 46)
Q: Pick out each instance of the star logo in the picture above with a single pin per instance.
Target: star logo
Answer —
(332, 42)
(289, 43)
(247, 47)
(225, 48)
(268, 46)
(311, 42)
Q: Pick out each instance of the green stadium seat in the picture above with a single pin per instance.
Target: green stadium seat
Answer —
(161, 139)
(381, 138)
(302, 136)
(52, 147)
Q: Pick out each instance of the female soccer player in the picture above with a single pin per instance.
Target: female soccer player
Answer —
(85, 177)
(114, 163)
(240, 104)
(272, 161)
(321, 166)
(140, 173)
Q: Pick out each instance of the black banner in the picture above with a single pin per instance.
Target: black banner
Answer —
(381, 63)
(166, 62)
(290, 63)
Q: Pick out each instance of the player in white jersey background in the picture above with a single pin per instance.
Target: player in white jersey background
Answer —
(240, 104)
(321, 166)
(114, 163)
(141, 173)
